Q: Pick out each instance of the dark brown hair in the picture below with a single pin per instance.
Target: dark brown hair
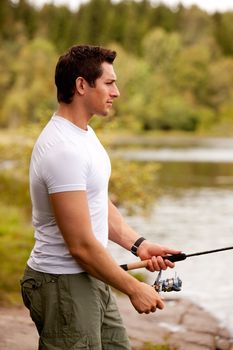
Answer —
(80, 61)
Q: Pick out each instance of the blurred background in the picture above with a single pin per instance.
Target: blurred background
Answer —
(169, 135)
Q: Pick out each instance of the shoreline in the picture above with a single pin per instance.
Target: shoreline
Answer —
(182, 325)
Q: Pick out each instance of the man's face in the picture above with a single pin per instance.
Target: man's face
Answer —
(99, 99)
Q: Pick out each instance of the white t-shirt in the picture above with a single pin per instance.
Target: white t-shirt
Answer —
(66, 158)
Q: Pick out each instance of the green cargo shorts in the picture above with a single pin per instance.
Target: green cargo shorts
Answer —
(73, 311)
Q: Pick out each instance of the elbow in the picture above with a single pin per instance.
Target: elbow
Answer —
(81, 254)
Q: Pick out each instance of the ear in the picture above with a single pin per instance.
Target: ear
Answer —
(80, 85)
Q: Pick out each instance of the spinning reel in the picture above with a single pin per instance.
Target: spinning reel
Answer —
(167, 285)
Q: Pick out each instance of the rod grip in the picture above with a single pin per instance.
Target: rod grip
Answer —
(175, 257)
(143, 263)
(134, 265)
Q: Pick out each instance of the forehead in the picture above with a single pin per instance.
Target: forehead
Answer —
(108, 71)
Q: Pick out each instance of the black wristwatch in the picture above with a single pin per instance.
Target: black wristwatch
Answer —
(136, 244)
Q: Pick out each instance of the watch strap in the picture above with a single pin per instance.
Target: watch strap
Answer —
(136, 244)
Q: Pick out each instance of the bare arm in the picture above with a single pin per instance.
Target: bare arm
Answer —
(72, 216)
(121, 233)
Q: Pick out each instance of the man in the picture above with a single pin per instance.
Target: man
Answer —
(67, 278)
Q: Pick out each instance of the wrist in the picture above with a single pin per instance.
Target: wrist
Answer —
(132, 287)
(136, 245)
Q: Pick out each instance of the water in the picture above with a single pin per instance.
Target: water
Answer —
(194, 213)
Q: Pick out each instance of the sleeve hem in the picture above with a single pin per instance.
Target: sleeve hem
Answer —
(67, 188)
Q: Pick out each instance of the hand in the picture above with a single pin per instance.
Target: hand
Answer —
(145, 299)
(154, 252)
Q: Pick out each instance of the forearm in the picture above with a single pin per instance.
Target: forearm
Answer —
(95, 260)
(83, 245)
(119, 231)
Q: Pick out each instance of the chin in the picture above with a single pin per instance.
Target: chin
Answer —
(103, 113)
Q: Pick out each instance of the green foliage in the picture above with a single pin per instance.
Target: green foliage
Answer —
(174, 66)
(29, 97)
(161, 49)
(16, 237)
(16, 240)
(135, 189)
(191, 72)
(175, 114)
(224, 31)
(194, 25)
(220, 84)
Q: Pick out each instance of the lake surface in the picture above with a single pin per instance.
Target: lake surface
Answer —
(193, 213)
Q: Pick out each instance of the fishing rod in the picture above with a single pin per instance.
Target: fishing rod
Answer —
(172, 258)
(170, 284)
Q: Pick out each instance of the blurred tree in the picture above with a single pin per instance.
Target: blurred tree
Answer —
(165, 54)
(125, 185)
(94, 24)
(162, 16)
(160, 50)
(166, 110)
(225, 120)
(176, 114)
(6, 19)
(220, 84)
(12, 25)
(224, 31)
(6, 73)
(56, 25)
(31, 97)
(194, 24)
(191, 71)
(28, 16)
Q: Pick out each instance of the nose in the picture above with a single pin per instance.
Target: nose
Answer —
(115, 91)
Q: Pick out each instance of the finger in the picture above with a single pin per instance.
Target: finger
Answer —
(160, 304)
(153, 264)
(169, 263)
(161, 263)
(171, 251)
(153, 309)
(150, 266)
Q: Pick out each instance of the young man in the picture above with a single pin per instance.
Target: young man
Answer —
(67, 278)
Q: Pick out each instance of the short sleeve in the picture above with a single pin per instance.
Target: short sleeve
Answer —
(65, 168)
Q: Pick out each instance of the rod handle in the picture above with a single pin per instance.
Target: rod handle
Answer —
(175, 257)
(134, 265)
(143, 263)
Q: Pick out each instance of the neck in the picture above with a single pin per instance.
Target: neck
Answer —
(74, 115)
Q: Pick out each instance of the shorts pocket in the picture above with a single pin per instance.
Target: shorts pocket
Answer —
(31, 294)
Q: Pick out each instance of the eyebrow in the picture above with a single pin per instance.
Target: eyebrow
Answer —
(111, 79)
